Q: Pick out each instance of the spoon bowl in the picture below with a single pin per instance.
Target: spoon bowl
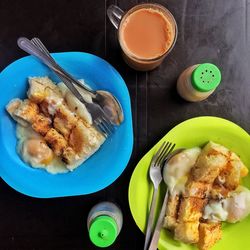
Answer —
(110, 105)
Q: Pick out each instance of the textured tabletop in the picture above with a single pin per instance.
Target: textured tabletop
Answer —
(214, 31)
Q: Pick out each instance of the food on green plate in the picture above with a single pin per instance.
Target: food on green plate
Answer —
(204, 194)
(54, 129)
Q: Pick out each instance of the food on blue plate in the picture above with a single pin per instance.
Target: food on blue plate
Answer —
(204, 194)
(54, 129)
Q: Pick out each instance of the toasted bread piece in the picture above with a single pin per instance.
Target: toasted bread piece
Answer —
(26, 112)
(196, 189)
(41, 124)
(244, 171)
(170, 220)
(218, 191)
(64, 121)
(56, 141)
(13, 105)
(173, 205)
(74, 104)
(187, 232)
(238, 163)
(84, 139)
(209, 234)
(191, 209)
(238, 170)
(44, 108)
(38, 86)
(69, 156)
(230, 176)
(212, 160)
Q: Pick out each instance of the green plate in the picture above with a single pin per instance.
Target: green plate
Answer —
(191, 133)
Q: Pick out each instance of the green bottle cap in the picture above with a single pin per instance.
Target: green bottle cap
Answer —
(206, 77)
(103, 231)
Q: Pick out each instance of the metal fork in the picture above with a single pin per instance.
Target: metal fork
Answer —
(156, 178)
(100, 119)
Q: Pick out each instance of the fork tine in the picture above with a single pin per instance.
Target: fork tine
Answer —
(163, 152)
(168, 151)
(158, 151)
(99, 127)
(103, 127)
(104, 124)
(109, 126)
(171, 149)
(166, 148)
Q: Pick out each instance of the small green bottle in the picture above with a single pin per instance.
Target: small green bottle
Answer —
(198, 82)
(104, 224)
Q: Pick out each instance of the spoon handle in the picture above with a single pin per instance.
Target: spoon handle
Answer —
(150, 223)
(156, 235)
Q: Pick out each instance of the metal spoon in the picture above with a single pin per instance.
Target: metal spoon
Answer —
(104, 99)
(156, 235)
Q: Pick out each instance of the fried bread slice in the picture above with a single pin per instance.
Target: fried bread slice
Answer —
(187, 232)
(25, 112)
(212, 160)
(70, 157)
(64, 121)
(56, 141)
(13, 105)
(84, 140)
(209, 234)
(41, 124)
(218, 191)
(234, 171)
(191, 209)
(170, 220)
(196, 189)
(38, 87)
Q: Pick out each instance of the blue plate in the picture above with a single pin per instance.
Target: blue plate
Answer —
(99, 171)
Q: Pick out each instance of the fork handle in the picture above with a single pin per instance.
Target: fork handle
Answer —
(150, 222)
(156, 235)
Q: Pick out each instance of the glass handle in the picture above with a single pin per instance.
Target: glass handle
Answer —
(115, 15)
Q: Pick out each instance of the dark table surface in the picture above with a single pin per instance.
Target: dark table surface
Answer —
(209, 31)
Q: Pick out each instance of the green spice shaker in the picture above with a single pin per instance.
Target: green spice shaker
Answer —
(104, 224)
(198, 82)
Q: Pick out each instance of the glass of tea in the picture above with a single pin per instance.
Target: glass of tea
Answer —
(146, 33)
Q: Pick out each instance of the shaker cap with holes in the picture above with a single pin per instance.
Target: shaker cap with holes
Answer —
(206, 77)
(103, 231)
(104, 223)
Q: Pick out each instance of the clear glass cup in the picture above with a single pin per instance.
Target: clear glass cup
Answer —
(117, 18)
